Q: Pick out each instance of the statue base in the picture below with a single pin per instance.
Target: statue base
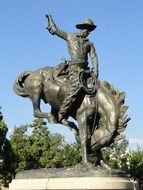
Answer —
(79, 183)
(71, 179)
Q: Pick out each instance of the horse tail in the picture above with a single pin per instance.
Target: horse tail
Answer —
(18, 86)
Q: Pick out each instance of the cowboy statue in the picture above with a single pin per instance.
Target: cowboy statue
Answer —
(74, 90)
(79, 47)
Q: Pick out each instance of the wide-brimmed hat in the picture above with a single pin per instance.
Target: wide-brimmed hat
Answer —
(87, 24)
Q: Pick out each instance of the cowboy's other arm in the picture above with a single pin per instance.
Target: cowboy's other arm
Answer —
(53, 29)
(94, 60)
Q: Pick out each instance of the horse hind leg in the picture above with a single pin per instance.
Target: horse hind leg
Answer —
(36, 99)
(52, 116)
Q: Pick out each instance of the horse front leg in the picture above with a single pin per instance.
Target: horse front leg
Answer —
(83, 135)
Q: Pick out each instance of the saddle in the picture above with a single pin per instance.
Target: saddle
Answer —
(87, 81)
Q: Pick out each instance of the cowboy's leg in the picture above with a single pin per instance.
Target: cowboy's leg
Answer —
(71, 94)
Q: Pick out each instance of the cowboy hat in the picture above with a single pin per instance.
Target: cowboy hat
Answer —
(87, 24)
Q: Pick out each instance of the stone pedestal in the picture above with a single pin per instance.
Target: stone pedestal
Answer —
(70, 179)
(79, 183)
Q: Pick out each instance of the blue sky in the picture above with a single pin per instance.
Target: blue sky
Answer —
(25, 44)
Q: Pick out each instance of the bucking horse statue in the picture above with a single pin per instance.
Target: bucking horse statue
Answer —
(100, 113)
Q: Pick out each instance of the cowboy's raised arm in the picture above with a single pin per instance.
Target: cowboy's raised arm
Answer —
(94, 60)
(53, 29)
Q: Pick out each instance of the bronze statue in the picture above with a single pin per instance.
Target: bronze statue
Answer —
(100, 117)
(79, 47)
(96, 105)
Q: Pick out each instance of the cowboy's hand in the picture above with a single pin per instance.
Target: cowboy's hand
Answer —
(48, 16)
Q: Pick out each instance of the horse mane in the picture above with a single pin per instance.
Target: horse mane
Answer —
(123, 119)
(105, 134)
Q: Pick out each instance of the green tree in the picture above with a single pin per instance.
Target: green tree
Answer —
(20, 147)
(3, 132)
(35, 147)
(71, 154)
(45, 148)
(135, 166)
(6, 155)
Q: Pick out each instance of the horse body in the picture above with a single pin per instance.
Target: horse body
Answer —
(100, 117)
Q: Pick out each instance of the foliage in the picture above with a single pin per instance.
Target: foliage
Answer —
(135, 167)
(35, 147)
(116, 154)
(3, 132)
(19, 145)
(6, 167)
(6, 155)
(71, 154)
